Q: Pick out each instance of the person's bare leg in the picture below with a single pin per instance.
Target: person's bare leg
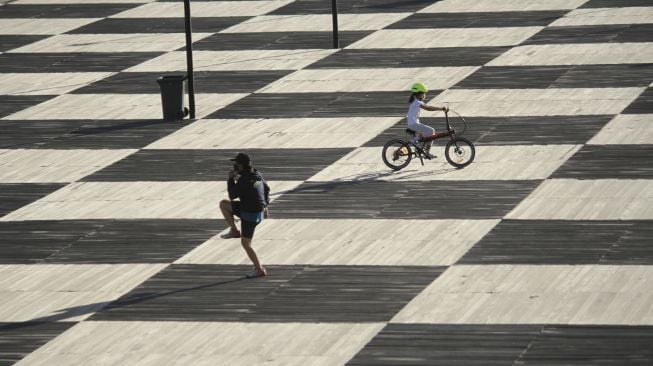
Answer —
(247, 245)
(225, 207)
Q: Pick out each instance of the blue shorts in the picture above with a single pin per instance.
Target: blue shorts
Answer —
(248, 220)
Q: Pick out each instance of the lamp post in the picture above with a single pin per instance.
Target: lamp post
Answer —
(189, 59)
(334, 15)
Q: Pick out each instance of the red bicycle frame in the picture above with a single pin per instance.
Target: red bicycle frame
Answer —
(437, 135)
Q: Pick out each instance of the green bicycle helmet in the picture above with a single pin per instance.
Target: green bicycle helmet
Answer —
(419, 88)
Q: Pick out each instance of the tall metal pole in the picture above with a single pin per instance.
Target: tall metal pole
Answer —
(189, 59)
(334, 13)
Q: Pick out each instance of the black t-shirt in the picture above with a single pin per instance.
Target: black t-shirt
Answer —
(252, 189)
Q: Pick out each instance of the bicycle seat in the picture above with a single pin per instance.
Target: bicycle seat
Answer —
(410, 132)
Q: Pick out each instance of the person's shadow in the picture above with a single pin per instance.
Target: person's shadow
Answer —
(80, 310)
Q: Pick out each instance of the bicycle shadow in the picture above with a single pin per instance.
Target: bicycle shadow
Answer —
(76, 311)
(367, 177)
(402, 175)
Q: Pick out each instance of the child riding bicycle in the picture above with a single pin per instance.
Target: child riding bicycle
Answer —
(416, 102)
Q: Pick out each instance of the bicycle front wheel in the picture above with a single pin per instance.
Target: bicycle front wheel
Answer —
(396, 154)
(459, 152)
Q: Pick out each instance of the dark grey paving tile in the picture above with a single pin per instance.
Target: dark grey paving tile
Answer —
(642, 105)
(447, 345)
(429, 57)
(72, 62)
(479, 20)
(297, 105)
(609, 162)
(616, 3)
(373, 199)
(205, 82)
(18, 340)
(555, 242)
(606, 76)
(498, 344)
(157, 25)
(616, 345)
(10, 104)
(289, 294)
(542, 77)
(620, 33)
(102, 241)
(352, 7)
(213, 165)
(63, 10)
(538, 130)
(84, 134)
(9, 42)
(16, 195)
(513, 77)
(276, 40)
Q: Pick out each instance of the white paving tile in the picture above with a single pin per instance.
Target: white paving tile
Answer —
(65, 292)
(203, 9)
(535, 294)
(626, 129)
(355, 80)
(235, 60)
(577, 54)
(205, 343)
(41, 26)
(131, 200)
(47, 83)
(54, 166)
(350, 242)
(133, 42)
(116, 106)
(456, 6)
(283, 133)
(446, 37)
(626, 15)
(537, 102)
(516, 162)
(601, 199)
(315, 22)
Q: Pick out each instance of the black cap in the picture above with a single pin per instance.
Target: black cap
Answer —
(242, 159)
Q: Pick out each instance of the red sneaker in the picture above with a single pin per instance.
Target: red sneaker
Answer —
(257, 273)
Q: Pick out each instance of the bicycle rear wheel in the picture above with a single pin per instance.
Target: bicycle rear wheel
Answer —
(459, 152)
(397, 154)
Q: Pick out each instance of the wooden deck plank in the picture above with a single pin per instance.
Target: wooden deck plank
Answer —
(205, 82)
(102, 241)
(72, 62)
(535, 294)
(435, 344)
(441, 57)
(398, 200)
(16, 195)
(609, 162)
(84, 134)
(213, 165)
(564, 242)
(478, 20)
(18, 340)
(185, 292)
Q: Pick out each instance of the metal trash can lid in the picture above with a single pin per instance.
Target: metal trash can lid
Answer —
(170, 78)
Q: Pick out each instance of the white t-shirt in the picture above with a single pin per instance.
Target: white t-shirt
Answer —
(413, 112)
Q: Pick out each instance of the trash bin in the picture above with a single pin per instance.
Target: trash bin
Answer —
(172, 96)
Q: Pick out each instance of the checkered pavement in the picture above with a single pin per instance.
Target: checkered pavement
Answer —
(540, 252)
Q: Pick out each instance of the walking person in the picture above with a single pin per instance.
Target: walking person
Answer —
(253, 192)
